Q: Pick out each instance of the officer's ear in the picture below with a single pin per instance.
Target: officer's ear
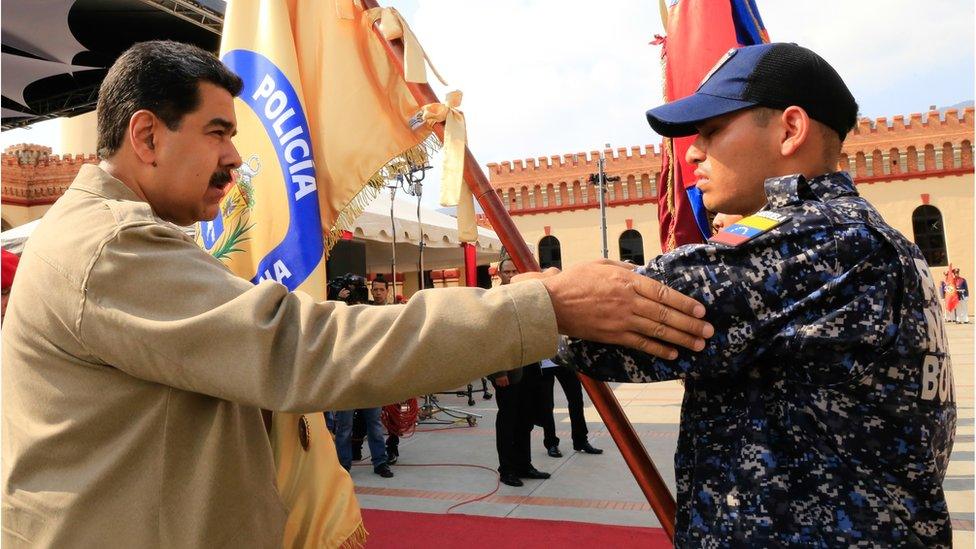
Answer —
(794, 130)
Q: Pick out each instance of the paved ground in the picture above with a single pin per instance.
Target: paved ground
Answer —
(600, 489)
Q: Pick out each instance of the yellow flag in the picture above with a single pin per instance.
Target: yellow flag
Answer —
(323, 120)
(367, 126)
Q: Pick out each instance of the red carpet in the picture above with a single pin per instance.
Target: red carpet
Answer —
(400, 530)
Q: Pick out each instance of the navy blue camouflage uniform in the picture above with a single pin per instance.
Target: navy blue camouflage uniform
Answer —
(821, 414)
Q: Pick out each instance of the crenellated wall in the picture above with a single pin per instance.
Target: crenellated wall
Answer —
(559, 183)
(33, 179)
(922, 146)
(32, 176)
(900, 163)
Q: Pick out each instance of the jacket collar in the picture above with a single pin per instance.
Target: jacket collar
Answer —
(93, 179)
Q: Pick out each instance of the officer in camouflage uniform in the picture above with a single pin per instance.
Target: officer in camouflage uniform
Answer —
(822, 411)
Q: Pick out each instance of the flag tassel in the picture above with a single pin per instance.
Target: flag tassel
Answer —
(357, 540)
(400, 164)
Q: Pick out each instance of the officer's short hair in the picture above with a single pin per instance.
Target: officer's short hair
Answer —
(160, 76)
(832, 141)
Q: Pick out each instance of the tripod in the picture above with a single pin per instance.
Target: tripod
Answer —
(433, 406)
(470, 392)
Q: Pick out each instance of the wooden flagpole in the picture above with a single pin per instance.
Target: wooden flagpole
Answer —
(631, 448)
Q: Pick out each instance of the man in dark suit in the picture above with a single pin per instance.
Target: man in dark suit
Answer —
(571, 385)
(515, 392)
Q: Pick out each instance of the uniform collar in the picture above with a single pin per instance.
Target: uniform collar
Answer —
(93, 179)
(792, 189)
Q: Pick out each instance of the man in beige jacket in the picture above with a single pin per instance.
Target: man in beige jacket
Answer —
(135, 365)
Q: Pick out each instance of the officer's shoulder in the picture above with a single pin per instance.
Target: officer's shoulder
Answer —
(801, 225)
(774, 225)
(848, 219)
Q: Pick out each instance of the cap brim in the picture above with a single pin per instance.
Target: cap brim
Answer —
(679, 118)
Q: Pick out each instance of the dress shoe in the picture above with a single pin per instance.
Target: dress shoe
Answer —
(510, 480)
(586, 448)
(533, 473)
(554, 452)
(383, 471)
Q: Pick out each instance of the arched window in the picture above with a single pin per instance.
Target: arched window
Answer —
(844, 164)
(930, 235)
(632, 247)
(911, 163)
(549, 253)
(966, 154)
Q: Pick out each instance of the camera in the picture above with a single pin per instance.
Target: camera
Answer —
(356, 284)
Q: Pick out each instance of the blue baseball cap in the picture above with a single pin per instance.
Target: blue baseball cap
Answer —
(777, 75)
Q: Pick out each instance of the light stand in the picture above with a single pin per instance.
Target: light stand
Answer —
(600, 179)
(411, 183)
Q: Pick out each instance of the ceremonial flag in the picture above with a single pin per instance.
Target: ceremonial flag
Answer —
(950, 290)
(699, 33)
(324, 120)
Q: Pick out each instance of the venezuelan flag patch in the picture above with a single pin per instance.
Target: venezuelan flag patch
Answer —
(748, 228)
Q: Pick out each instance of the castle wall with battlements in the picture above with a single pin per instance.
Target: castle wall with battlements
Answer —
(32, 179)
(899, 164)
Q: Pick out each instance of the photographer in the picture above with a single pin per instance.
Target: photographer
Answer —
(351, 426)
(348, 288)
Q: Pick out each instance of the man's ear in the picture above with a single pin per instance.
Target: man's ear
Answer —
(795, 123)
(143, 128)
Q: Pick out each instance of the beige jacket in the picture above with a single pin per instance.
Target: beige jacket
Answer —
(135, 364)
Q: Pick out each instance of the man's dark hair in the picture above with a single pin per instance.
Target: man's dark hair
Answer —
(833, 142)
(381, 279)
(160, 76)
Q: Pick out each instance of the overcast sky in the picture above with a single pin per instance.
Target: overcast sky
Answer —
(550, 77)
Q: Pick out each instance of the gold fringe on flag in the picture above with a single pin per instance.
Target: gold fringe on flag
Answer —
(401, 164)
(670, 190)
(357, 540)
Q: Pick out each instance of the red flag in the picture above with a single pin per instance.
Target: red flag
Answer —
(699, 32)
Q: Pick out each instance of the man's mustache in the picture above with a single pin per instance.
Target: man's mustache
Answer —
(220, 178)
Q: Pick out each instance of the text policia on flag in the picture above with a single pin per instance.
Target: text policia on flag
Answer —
(272, 98)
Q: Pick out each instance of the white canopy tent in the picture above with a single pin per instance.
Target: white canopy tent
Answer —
(374, 227)
(442, 248)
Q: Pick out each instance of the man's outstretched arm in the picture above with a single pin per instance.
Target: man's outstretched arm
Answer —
(606, 301)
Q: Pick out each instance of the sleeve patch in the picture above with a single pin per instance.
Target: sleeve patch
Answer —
(748, 228)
